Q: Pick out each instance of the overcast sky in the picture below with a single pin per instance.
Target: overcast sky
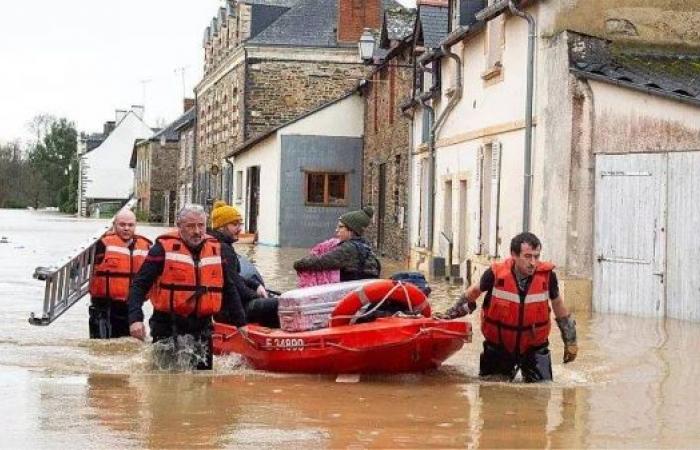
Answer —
(82, 59)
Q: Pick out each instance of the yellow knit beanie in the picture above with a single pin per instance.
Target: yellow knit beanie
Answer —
(223, 214)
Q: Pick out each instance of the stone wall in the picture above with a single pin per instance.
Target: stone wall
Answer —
(164, 162)
(662, 22)
(279, 91)
(387, 145)
(184, 176)
(220, 120)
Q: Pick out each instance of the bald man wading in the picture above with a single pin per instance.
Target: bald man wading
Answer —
(119, 255)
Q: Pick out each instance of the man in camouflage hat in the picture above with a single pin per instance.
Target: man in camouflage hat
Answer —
(353, 257)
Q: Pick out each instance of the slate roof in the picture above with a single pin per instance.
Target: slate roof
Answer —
(309, 23)
(662, 73)
(185, 119)
(171, 131)
(434, 23)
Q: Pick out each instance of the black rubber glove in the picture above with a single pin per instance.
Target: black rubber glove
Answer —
(461, 308)
(567, 326)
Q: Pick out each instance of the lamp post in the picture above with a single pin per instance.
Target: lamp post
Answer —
(365, 47)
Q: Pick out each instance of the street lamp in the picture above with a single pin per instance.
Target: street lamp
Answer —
(366, 45)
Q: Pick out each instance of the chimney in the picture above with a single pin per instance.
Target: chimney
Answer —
(108, 127)
(187, 104)
(356, 15)
(138, 110)
(119, 115)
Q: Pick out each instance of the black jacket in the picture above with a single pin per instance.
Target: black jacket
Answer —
(354, 258)
(162, 323)
(249, 286)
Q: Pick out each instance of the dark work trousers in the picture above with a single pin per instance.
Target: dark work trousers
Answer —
(108, 319)
(535, 365)
(263, 311)
(193, 333)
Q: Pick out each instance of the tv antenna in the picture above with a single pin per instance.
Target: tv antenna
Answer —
(144, 82)
(182, 71)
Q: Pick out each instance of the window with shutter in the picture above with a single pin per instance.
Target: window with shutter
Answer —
(495, 197)
(494, 45)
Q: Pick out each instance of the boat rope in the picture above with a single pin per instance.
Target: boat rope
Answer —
(355, 317)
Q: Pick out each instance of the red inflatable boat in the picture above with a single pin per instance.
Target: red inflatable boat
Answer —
(387, 345)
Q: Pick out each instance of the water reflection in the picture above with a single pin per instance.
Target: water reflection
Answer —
(633, 385)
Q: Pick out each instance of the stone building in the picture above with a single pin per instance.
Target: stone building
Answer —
(386, 152)
(602, 170)
(268, 62)
(155, 162)
(185, 173)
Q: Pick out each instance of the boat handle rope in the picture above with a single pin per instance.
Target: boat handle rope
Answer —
(354, 317)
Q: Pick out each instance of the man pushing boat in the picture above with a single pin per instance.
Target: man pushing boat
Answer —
(515, 318)
(187, 274)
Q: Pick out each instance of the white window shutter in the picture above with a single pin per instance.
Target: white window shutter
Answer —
(495, 191)
(479, 204)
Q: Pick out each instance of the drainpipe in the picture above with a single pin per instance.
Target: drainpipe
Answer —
(231, 183)
(456, 95)
(528, 110)
(431, 171)
(436, 125)
(194, 150)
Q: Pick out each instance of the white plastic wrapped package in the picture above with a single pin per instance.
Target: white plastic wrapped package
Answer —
(310, 308)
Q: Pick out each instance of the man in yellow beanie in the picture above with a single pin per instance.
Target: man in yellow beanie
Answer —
(223, 214)
(227, 223)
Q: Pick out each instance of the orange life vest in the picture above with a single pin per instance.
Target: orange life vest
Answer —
(514, 322)
(189, 285)
(112, 277)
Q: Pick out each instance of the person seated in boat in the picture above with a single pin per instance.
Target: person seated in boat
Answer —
(119, 254)
(190, 279)
(227, 223)
(353, 257)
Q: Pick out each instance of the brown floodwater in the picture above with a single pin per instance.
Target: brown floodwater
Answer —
(634, 384)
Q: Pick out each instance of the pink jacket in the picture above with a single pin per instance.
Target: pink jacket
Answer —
(308, 278)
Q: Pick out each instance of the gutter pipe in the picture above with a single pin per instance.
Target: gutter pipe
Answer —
(436, 125)
(528, 110)
(431, 172)
(194, 149)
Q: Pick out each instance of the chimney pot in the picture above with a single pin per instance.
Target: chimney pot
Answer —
(187, 104)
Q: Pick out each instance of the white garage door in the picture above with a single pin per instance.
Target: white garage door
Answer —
(647, 235)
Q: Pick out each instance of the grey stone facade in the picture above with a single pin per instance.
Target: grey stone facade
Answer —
(386, 155)
(154, 184)
(279, 91)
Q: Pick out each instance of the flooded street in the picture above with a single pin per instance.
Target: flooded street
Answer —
(634, 384)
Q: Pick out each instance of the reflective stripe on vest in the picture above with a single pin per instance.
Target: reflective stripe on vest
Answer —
(187, 286)
(515, 298)
(111, 278)
(518, 323)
